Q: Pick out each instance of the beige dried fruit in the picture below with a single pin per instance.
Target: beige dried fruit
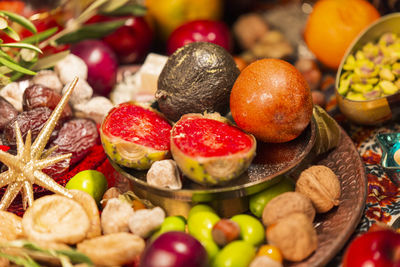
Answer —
(294, 235)
(10, 226)
(321, 185)
(89, 205)
(286, 204)
(55, 218)
(113, 249)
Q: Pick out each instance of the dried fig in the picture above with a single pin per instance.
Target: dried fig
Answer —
(89, 205)
(286, 204)
(56, 218)
(321, 185)
(294, 235)
(113, 249)
(10, 225)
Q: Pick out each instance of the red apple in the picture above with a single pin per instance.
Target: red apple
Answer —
(130, 42)
(379, 248)
(200, 31)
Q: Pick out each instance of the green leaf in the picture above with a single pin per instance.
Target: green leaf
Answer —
(135, 10)
(22, 45)
(40, 36)
(7, 56)
(15, 66)
(91, 31)
(113, 5)
(75, 256)
(49, 61)
(24, 261)
(328, 131)
(90, 11)
(11, 33)
(26, 23)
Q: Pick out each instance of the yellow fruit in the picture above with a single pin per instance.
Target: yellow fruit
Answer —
(169, 14)
(334, 24)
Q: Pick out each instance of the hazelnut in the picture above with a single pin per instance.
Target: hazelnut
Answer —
(321, 185)
(225, 231)
(112, 192)
(286, 204)
(294, 235)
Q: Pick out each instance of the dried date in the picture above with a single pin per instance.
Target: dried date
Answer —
(76, 136)
(7, 113)
(41, 96)
(33, 120)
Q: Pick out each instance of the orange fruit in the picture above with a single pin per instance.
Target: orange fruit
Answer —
(271, 100)
(333, 25)
(167, 15)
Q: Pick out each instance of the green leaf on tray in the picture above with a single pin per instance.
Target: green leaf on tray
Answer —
(16, 67)
(5, 55)
(113, 5)
(22, 45)
(75, 256)
(25, 260)
(11, 33)
(134, 9)
(49, 61)
(24, 249)
(328, 131)
(26, 23)
(40, 36)
(91, 31)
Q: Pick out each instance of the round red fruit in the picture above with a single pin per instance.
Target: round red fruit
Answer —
(374, 249)
(200, 31)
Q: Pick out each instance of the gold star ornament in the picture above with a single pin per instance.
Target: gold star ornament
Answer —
(25, 168)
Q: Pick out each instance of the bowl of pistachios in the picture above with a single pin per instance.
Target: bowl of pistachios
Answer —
(368, 78)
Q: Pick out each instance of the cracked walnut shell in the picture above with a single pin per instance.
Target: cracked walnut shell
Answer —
(321, 185)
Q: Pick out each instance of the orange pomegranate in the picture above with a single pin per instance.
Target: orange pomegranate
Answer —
(271, 100)
(334, 24)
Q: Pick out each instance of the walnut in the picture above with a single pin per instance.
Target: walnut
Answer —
(249, 29)
(82, 92)
(70, 67)
(95, 108)
(48, 79)
(286, 204)
(321, 185)
(294, 235)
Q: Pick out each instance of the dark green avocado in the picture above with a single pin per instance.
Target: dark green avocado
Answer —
(198, 77)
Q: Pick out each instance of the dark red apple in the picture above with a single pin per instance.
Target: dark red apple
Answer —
(379, 248)
(101, 62)
(174, 249)
(200, 31)
(130, 42)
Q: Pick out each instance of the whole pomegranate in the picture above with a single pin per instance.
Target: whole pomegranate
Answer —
(271, 100)
(101, 62)
(200, 31)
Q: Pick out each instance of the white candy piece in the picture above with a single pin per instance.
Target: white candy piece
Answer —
(82, 92)
(70, 67)
(13, 93)
(164, 173)
(144, 222)
(115, 216)
(49, 79)
(147, 76)
(96, 108)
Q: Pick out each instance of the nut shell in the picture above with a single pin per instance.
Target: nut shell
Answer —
(321, 185)
(294, 235)
(285, 204)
